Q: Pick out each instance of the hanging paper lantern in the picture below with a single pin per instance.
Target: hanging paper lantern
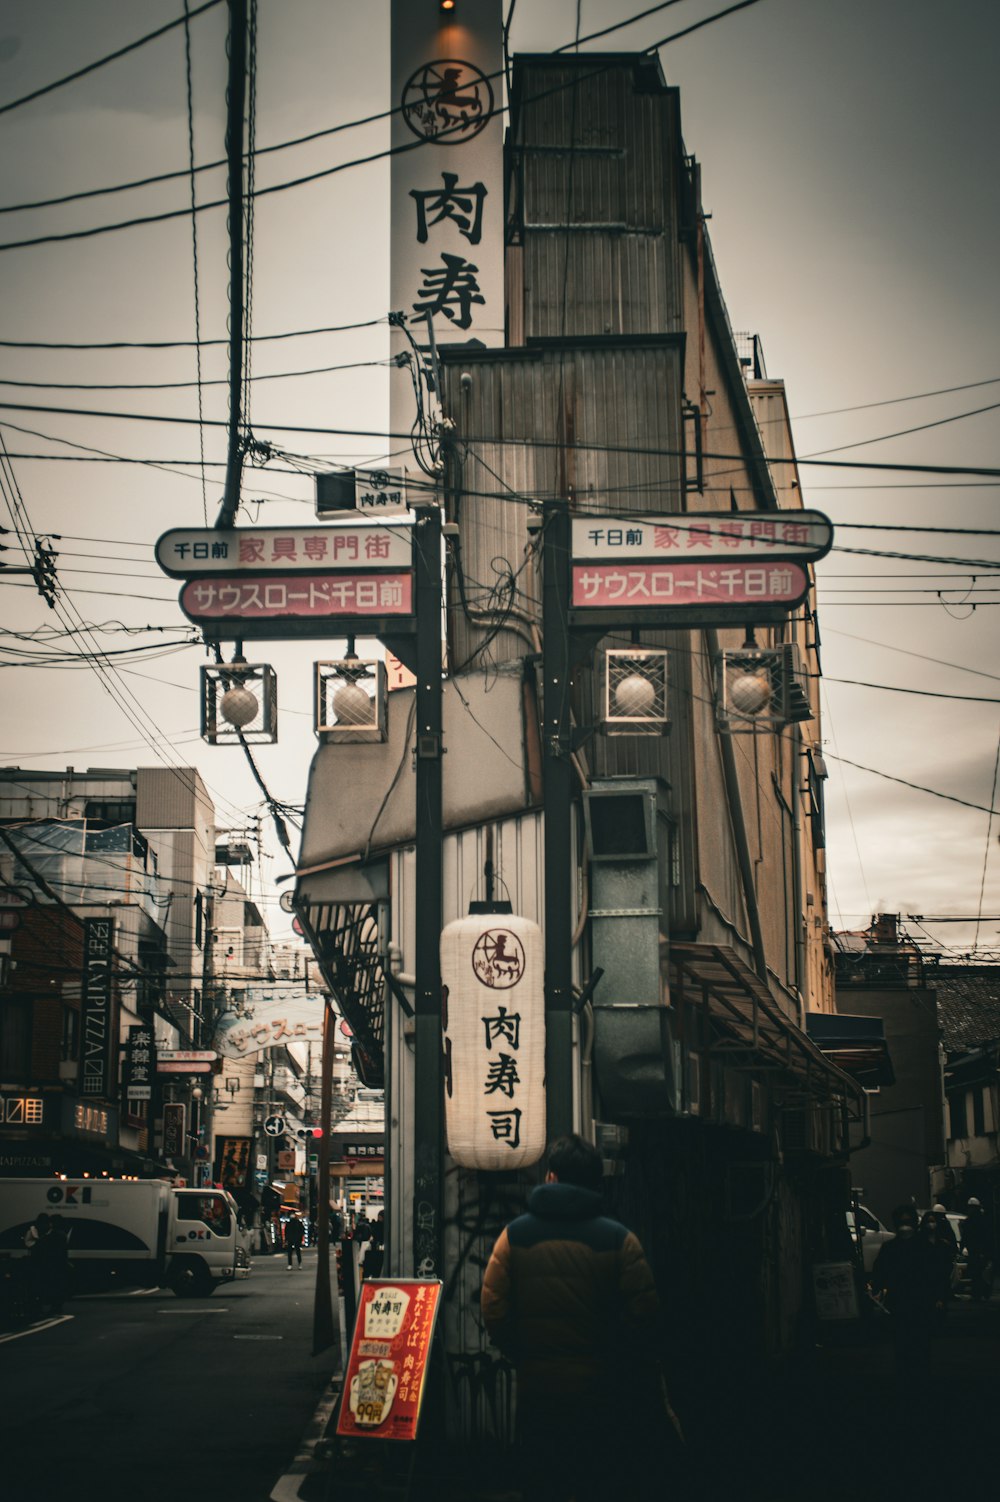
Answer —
(493, 1015)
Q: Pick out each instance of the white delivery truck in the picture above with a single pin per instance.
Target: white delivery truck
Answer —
(140, 1231)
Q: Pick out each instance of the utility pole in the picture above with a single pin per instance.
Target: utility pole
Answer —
(235, 102)
(557, 661)
(428, 1110)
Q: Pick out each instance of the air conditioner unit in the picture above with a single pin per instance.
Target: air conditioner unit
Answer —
(635, 692)
(350, 700)
(760, 689)
(239, 701)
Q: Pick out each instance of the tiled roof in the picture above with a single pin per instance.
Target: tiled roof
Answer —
(968, 1002)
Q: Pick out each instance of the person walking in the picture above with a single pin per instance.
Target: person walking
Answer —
(907, 1276)
(976, 1240)
(937, 1233)
(569, 1298)
(294, 1234)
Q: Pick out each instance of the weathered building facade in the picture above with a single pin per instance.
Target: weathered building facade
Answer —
(695, 855)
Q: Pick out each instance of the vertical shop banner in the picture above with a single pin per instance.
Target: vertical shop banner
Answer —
(97, 1053)
(140, 1063)
(493, 1017)
(390, 1352)
(447, 181)
(174, 1144)
(234, 1161)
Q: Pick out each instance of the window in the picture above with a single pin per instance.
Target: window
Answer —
(199, 919)
(210, 1209)
(956, 1115)
(109, 811)
(978, 1115)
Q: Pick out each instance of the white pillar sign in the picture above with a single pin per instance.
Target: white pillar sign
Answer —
(447, 179)
(493, 1016)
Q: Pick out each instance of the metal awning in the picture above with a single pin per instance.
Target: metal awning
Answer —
(749, 1029)
(855, 1044)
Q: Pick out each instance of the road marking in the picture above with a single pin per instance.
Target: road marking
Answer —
(192, 1311)
(45, 1324)
(258, 1337)
(286, 1488)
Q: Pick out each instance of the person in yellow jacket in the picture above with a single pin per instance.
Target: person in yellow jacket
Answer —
(569, 1298)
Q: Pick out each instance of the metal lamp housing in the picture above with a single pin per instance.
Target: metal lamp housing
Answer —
(340, 711)
(239, 700)
(635, 692)
(782, 698)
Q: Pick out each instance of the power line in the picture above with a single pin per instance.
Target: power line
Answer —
(916, 786)
(324, 172)
(578, 446)
(336, 328)
(903, 432)
(892, 401)
(101, 62)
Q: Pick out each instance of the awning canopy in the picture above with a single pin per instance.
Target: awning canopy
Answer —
(752, 1032)
(855, 1044)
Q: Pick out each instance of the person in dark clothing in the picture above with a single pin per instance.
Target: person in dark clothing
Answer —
(372, 1267)
(907, 1275)
(976, 1240)
(294, 1234)
(569, 1298)
(363, 1228)
(937, 1233)
(50, 1255)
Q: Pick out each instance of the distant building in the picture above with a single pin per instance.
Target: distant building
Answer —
(968, 998)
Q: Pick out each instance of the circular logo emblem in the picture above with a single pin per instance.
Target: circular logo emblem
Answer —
(53, 1196)
(447, 101)
(498, 959)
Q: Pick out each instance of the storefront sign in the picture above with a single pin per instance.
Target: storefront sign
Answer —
(689, 586)
(493, 1016)
(234, 1161)
(173, 1129)
(321, 597)
(387, 1368)
(191, 553)
(721, 536)
(21, 1110)
(96, 1055)
(835, 1290)
(271, 1022)
(140, 1063)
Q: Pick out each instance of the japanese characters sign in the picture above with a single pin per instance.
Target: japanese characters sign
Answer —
(174, 1129)
(387, 1366)
(98, 1036)
(234, 1161)
(273, 597)
(688, 585)
(493, 1016)
(140, 1063)
(380, 492)
(801, 536)
(187, 554)
(270, 1023)
(447, 182)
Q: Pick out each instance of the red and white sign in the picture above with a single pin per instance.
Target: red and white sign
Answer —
(640, 583)
(314, 598)
(718, 536)
(387, 1366)
(493, 1016)
(187, 554)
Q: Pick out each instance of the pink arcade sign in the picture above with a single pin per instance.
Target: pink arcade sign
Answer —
(298, 597)
(645, 583)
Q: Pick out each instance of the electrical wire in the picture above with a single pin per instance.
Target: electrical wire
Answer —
(152, 36)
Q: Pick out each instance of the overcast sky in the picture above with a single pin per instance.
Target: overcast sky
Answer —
(848, 161)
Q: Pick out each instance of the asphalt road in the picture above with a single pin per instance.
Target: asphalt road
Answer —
(145, 1395)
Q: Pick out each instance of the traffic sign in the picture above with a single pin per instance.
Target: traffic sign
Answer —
(274, 1126)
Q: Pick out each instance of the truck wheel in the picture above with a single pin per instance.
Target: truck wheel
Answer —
(191, 1279)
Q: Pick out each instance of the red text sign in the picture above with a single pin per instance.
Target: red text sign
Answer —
(387, 1367)
(650, 584)
(271, 597)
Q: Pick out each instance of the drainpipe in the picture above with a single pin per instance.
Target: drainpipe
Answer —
(732, 782)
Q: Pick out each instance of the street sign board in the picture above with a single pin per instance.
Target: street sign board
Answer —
(274, 1126)
(313, 600)
(686, 586)
(386, 1368)
(703, 536)
(189, 553)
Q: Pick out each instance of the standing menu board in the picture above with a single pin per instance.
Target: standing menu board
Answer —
(387, 1366)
